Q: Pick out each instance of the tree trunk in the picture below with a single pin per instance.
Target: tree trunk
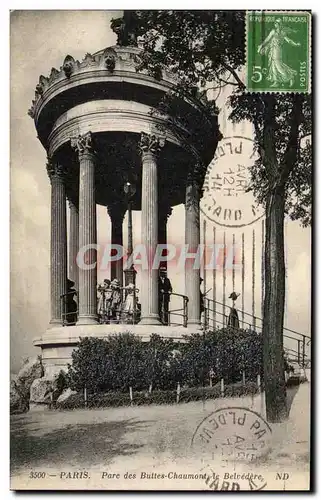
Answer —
(274, 379)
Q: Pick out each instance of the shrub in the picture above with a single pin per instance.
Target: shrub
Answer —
(62, 381)
(225, 353)
(123, 361)
(90, 365)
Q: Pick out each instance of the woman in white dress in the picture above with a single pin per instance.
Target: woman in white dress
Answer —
(130, 303)
(116, 300)
(104, 301)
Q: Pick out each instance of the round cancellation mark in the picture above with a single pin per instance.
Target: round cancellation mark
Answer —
(226, 200)
(232, 434)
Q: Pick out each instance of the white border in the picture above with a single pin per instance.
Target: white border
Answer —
(309, 58)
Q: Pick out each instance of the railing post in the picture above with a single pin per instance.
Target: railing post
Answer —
(85, 396)
(207, 311)
(185, 311)
(303, 351)
(63, 309)
(161, 312)
(178, 391)
(222, 388)
(299, 348)
(258, 381)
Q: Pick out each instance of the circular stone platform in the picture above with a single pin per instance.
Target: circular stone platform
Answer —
(99, 121)
(58, 342)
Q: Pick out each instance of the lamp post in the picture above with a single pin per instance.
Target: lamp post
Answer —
(130, 273)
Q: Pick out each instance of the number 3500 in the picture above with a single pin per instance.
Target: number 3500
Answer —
(37, 475)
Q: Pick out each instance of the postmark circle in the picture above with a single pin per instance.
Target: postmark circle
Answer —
(232, 434)
(226, 201)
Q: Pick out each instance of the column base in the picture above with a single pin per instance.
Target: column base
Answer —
(55, 322)
(87, 320)
(194, 323)
(150, 320)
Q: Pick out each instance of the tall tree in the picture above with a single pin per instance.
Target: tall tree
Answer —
(201, 47)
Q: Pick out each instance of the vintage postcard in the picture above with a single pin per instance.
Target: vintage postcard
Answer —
(161, 171)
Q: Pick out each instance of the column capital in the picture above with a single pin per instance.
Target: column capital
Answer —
(150, 144)
(54, 170)
(83, 144)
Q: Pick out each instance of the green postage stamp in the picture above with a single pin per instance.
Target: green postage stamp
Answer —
(278, 51)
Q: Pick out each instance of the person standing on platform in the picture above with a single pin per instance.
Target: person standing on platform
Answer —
(104, 300)
(116, 300)
(71, 305)
(164, 291)
(233, 318)
(129, 309)
(202, 306)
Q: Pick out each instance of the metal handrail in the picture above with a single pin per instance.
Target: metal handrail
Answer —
(302, 342)
(245, 313)
(181, 312)
(65, 314)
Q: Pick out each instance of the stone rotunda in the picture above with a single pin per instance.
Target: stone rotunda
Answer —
(96, 120)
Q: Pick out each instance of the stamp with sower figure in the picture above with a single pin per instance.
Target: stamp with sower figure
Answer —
(278, 51)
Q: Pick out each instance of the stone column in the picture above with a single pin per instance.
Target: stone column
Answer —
(116, 213)
(150, 146)
(164, 213)
(192, 239)
(87, 296)
(58, 248)
(73, 242)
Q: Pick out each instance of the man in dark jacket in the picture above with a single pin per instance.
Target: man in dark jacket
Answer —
(202, 305)
(164, 290)
(70, 304)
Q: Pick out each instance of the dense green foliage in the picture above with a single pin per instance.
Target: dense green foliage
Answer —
(123, 361)
(206, 49)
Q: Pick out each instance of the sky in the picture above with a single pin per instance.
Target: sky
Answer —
(40, 40)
